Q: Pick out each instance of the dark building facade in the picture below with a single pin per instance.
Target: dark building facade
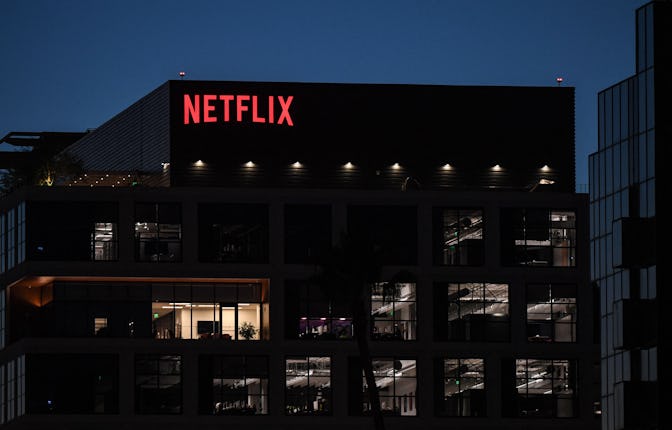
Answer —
(172, 283)
(634, 119)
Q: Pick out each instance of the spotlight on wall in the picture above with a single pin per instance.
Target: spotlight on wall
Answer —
(496, 167)
(199, 163)
(297, 165)
(348, 165)
(447, 166)
(396, 166)
(250, 164)
(545, 168)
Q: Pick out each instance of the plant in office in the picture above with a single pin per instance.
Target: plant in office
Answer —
(247, 330)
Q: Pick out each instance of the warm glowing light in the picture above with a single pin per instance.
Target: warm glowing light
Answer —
(496, 167)
(447, 166)
(199, 163)
(297, 165)
(165, 165)
(545, 167)
(396, 166)
(348, 165)
(249, 164)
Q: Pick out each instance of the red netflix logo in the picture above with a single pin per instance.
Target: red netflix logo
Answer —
(201, 108)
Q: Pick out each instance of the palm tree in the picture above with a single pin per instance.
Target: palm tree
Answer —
(348, 270)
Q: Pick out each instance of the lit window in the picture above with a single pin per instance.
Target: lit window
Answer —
(308, 386)
(546, 388)
(393, 311)
(397, 386)
(472, 312)
(551, 313)
(464, 392)
(239, 385)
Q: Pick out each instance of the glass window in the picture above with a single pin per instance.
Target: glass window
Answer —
(3, 236)
(308, 386)
(307, 232)
(397, 386)
(458, 237)
(71, 231)
(158, 232)
(232, 311)
(551, 313)
(472, 311)
(233, 233)
(539, 237)
(546, 388)
(313, 313)
(104, 241)
(393, 228)
(234, 385)
(158, 384)
(72, 384)
(463, 388)
(393, 311)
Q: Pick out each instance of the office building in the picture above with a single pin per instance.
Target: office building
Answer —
(634, 115)
(169, 282)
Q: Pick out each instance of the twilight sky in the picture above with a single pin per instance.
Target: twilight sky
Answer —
(69, 65)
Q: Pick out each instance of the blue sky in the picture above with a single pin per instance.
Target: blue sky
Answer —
(69, 65)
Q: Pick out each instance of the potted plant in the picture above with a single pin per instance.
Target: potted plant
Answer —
(247, 330)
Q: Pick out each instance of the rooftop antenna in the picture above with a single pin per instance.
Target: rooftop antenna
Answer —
(182, 75)
(559, 80)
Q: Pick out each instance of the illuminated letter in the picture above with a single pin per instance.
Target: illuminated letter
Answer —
(270, 109)
(255, 116)
(240, 107)
(227, 105)
(208, 107)
(285, 110)
(191, 109)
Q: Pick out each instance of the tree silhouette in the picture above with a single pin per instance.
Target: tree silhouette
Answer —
(346, 273)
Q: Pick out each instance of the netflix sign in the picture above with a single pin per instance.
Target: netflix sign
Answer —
(225, 108)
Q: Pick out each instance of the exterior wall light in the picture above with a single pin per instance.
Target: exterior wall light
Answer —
(396, 166)
(348, 165)
(447, 166)
(250, 164)
(496, 167)
(199, 163)
(545, 168)
(297, 165)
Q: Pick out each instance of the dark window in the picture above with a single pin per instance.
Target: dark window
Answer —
(158, 232)
(72, 231)
(233, 385)
(473, 311)
(546, 388)
(397, 386)
(393, 311)
(80, 309)
(458, 237)
(231, 233)
(308, 386)
(538, 237)
(393, 229)
(551, 313)
(462, 387)
(307, 232)
(72, 384)
(313, 313)
(158, 384)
